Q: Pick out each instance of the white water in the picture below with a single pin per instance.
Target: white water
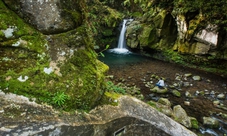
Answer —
(121, 42)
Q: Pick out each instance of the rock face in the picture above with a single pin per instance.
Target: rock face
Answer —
(49, 17)
(130, 117)
(60, 69)
(161, 30)
(167, 31)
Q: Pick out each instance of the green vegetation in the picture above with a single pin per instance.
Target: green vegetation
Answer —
(212, 11)
(195, 123)
(76, 80)
(60, 98)
(101, 52)
(115, 88)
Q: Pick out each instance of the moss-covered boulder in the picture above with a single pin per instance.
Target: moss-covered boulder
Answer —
(61, 69)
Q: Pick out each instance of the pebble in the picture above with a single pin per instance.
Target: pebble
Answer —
(188, 75)
(187, 94)
(221, 96)
(186, 84)
(196, 78)
(216, 103)
(187, 103)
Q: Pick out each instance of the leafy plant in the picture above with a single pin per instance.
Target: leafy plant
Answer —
(115, 88)
(100, 53)
(60, 98)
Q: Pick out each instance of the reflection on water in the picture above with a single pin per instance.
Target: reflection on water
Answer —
(113, 58)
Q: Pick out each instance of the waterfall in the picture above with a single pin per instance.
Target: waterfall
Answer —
(121, 41)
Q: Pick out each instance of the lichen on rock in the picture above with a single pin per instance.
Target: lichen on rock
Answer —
(61, 69)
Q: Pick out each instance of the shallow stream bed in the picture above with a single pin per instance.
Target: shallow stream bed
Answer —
(133, 69)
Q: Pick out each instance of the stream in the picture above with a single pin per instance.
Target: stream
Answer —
(133, 70)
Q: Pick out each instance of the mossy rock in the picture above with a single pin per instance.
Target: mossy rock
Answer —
(75, 82)
(147, 35)
(164, 101)
(156, 89)
(176, 93)
(194, 122)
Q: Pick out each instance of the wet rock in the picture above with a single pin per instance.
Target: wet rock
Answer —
(210, 122)
(156, 89)
(164, 101)
(196, 78)
(215, 103)
(188, 95)
(197, 92)
(223, 115)
(178, 78)
(206, 92)
(151, 95)
(212, 93)
(165, 109)
(176, 93)
(186, 84)
(195, 123)
(208, 80)
(188, 75)
(181, 116)
(221, 96)
(187, 103)
(171, 86)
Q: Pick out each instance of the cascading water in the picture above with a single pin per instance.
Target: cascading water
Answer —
(121, 42)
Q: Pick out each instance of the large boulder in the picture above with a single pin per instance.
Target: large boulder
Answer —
(60, 69)
(130, 117)
(48, 17)
(181, 116)
(210, 122)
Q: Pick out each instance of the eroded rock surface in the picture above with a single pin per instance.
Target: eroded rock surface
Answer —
(131, 116)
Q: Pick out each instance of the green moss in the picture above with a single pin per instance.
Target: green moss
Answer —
(176, 93)
(76, 15)
(137, 14)
(110, 98)
(152, 104)
(107, 32)
(194, 122)
(147, 36)
(26, 36)
(159, 19)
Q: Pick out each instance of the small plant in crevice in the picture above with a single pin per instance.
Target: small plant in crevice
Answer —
(60, 98)
(100, 53)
